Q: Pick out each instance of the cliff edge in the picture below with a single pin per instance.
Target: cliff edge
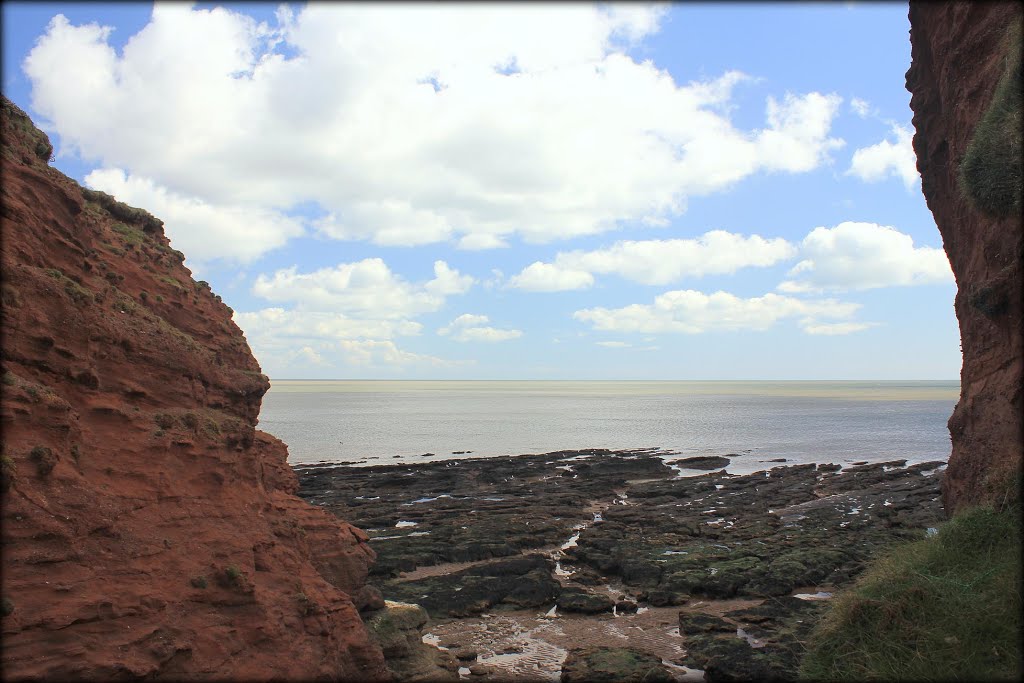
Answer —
(149, 530)
(965, 86)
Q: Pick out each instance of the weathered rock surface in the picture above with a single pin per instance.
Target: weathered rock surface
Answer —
(583, 532)
(703, 462)
(761, 643)
(398, 629)
(148, 529)
(474, 509)
(613, 665)
(514, 582)
(958, 57)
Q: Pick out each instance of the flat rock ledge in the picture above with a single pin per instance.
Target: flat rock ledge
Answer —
(617, 538)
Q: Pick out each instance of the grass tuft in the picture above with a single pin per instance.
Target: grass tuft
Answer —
(44, 460)
(131, 236)
(991, 171)
(947, 607)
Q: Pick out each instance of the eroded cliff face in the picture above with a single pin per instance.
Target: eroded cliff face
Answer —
(148, 528)
(959, 55)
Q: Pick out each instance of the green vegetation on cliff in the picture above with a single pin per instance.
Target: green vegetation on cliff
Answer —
(991, 171)
(946, 607)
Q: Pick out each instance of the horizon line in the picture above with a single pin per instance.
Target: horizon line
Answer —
(401, 379)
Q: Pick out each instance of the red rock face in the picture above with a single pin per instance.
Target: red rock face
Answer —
(957, 61)
(148, 528)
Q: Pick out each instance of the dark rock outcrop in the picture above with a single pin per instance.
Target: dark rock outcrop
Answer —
(398, 629)
(960, 53)
(148, 529)
(613, 665)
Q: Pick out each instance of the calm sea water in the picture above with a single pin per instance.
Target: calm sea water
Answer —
(398, 421)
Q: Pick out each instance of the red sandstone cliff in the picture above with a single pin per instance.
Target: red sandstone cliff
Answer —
(148, 528)
(959, 55)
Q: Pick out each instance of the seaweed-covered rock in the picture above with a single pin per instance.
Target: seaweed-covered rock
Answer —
(726, 658)
(577, 600)
(518, 582)
(703, 462)
(613, 665)
(398, 629)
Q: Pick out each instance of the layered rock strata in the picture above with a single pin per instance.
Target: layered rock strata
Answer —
(960, 54)
(149, 530)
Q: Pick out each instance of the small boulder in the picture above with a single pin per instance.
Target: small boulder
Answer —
(625, 607)
(582, 602)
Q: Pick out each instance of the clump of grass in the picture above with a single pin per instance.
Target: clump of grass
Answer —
(44, 459)
(131, 236)
(8, 607)
(198, 582)
(7, 471)
(164, 421)
(306, 606)
(991, 170)
(78, 293)
(947, 607)
(230, 577)
(124, 304)
(122, 211)
(173, 282)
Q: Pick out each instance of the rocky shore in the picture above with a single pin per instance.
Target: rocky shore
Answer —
(601, 565)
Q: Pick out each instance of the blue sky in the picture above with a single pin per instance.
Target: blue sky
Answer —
(707, 191)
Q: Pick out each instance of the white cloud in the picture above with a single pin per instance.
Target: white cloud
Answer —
(656, 262)
(411, 124)
(855, 256)
(280, 338)
(693, 312)
(448, 281)
(203, 231)
(469, 327)
(888, 159)
(797, 137)
(812, 327)
(547, 277)
(306, 326)
(614, 344)
(366, 288)
(861, 108)
(310, 356)
(375, 353)
(479, 241)
(348, 313)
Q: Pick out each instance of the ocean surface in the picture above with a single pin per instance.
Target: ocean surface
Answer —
(385, 422)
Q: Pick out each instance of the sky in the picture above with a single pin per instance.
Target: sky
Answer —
(533, 191)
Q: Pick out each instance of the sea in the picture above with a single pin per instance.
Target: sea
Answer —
(376, 422)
